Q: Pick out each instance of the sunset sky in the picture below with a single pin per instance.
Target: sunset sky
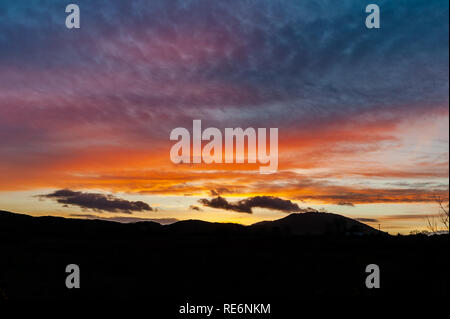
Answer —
(362, 114)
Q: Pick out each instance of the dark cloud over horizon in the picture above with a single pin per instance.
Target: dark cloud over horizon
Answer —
(345, 204)
(122, 219)
(220, 191)
(367, 220)
(246, 205)
(97, 202)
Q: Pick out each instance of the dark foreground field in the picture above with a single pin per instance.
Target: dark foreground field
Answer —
(202, 261)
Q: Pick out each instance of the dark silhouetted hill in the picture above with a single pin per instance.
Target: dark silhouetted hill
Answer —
(28, 226)
(197, 227)
(316, 224)
(294, 224)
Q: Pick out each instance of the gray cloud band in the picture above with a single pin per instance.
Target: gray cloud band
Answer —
(96, 202)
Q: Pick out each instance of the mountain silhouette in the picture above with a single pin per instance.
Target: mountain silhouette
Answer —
(312, 223)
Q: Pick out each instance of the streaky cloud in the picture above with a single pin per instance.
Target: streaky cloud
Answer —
(97, 202)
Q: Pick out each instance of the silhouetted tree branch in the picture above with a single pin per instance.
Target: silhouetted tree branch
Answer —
(443, 210)
(432, 223)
